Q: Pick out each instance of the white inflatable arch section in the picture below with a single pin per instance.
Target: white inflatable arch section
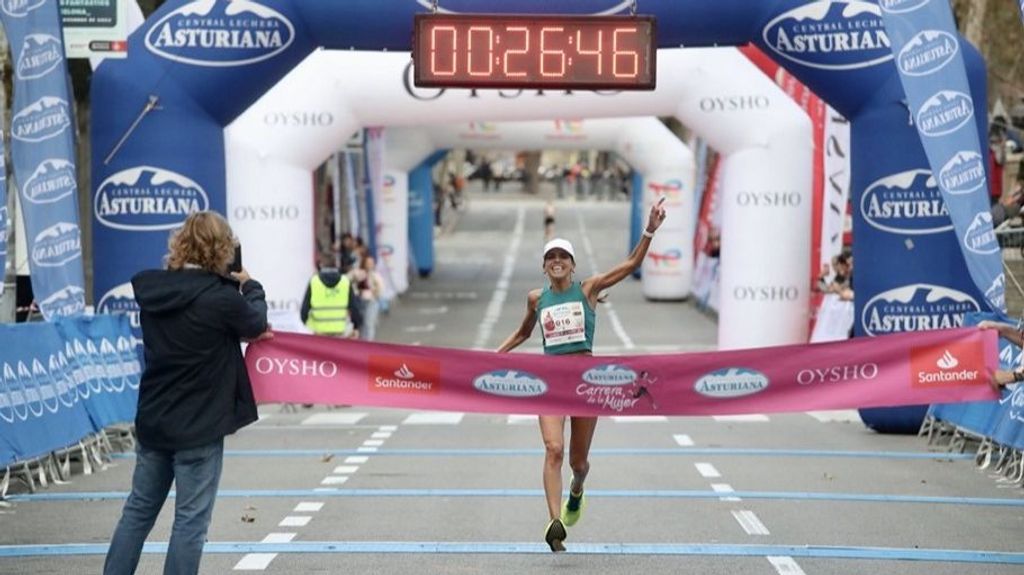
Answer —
(272, 149)
(649, 147)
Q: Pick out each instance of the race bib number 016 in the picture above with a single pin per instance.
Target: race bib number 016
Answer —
(563, 323)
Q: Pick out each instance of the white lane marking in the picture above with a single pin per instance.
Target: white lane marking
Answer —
(295, 521)
(345, 469)
(388, 428)
(746, 418)
(724, 488)
(334, 480)
(255, 561)
(279, 537)
(639, 418)
(308, 507)
(420, 328)
(483, 331)
(613, 317)
(381, 434)
(683, 440)
(356, 459)
(841, 415)
(365, 449)
(435, 310)
(374, 442)
(520, 419)
(347, 418)
(433, 418)
(785, 565)
(707, 470)
(750, 523)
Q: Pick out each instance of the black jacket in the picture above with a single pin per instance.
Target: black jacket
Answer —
(331, 277)
(195, 389)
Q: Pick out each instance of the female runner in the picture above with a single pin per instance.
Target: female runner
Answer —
(565, 310)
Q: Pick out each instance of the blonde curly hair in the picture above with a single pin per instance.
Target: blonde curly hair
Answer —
(205, 240)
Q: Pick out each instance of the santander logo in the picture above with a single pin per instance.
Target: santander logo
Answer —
(404, 372)
(947, 361)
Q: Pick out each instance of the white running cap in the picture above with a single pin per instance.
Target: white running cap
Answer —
(560, 244)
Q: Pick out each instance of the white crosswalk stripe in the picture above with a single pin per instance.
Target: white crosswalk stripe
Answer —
(745, 418)
(433, 418)
(334, 418)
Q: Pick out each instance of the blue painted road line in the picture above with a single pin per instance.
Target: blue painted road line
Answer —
(396, 547)
(595, 452)
(609, 493)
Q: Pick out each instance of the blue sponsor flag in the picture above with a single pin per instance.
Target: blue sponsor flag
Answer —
(930, 63)
(3, 214)
(42, 150)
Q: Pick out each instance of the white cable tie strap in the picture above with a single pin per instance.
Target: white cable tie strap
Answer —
(86, 465)
(65, 466)
(41, 470)
(28, 477)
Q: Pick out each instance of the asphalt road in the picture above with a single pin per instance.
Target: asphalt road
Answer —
(357, 490)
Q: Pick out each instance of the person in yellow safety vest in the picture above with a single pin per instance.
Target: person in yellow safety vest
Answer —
(331, 305)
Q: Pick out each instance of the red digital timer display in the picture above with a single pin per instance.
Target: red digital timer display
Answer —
(534, 51)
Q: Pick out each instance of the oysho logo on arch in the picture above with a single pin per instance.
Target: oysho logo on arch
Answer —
(146, 198)
(214, 33)
(916, 307)
(41, 120)
(927, 52)
(830, 35)
(40, 55)
(944, 113)
(734, 103)
(909, 202)
(399, 374)
(510, 383)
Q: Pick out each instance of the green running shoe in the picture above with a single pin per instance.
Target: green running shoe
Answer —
(554, 535)
(573, 508)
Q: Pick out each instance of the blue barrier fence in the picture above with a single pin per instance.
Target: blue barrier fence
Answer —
(62, 381)
(995, 422)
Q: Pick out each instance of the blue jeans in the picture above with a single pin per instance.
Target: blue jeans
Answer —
(196, 473)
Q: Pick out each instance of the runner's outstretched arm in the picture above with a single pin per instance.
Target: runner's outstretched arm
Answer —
(602, 281)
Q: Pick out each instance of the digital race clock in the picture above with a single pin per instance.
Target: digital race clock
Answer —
(534, 51)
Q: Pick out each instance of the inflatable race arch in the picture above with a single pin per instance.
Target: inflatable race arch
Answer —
(195, 66)
(717, 92)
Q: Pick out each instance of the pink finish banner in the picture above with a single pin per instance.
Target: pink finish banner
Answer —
(944, 366)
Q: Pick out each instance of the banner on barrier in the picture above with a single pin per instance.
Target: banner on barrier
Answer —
(1002, 420)
(913, 368)
(60, 381)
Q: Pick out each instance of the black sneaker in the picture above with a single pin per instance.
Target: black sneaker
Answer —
(554, 535)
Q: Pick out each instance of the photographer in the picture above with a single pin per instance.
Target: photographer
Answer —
(194, 390)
